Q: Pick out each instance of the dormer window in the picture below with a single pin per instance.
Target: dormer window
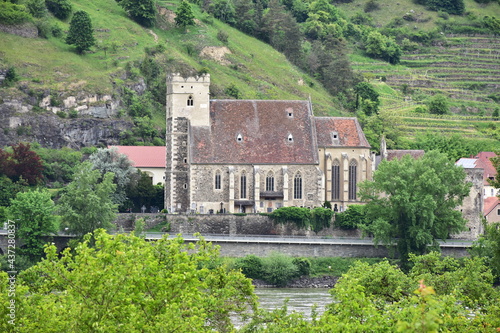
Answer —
(190, 101)
(239, 138)
(290, 138)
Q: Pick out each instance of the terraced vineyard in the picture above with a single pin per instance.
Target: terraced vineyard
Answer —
(466, 69)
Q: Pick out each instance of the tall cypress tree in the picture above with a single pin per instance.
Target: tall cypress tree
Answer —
(80, 32)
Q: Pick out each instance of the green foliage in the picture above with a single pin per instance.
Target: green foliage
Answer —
(382, 47)
(487, 247)
(11, 13)
(251, 266)
(59, 164)
(33, 212)
(316, 219)
(81, 33)
(141, 11)
(418, 205)
(438, 104)
(184, 15)
(9, 189)
(233, 91)
(60, 8)
(109, 160)
(279, 269)
(303, 266)
(366, 93)
(351, 218)
(86, 203)
(141, 192)
(456, 7)
(10, 77)
(454, 146)
(125, 283)
(37, 8)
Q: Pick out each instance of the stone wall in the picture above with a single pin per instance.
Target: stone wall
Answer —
(225, 224)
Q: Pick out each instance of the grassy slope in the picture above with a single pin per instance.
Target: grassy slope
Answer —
(256, 69)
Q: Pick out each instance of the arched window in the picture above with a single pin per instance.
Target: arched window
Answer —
(353, 173)
(336, 180)
(243, 186)
(297, 186)
(190, 101)
(218, 185)
(270, 182)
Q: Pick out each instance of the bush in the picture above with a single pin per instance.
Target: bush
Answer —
(303, 266)
(351, 218)
(13, 14)
(60, 8)
(279, 269)
(251, 266)
(222, 36)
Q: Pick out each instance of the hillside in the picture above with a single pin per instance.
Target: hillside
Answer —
(129, 57)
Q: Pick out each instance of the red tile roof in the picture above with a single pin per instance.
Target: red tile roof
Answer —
(490, 204)
(340, 132)
(484, 162)
(144, 156)
(264, 128)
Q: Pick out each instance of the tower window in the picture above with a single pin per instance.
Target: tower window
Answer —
(190, 101)
(239, 138)
(217, 180)
(290, 138)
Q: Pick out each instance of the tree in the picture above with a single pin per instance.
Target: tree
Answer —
(87, 203)
(141, 11)
(184, 15)
(110, 160)
(33, 212)
(21, 163)
(365, 92)
(438, 104)
(81, 34)
(127, 284)
(411, 202)
(60, 8)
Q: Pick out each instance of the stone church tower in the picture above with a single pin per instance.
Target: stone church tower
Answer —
(188, 104)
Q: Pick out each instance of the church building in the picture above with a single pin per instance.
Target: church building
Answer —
(257, 155)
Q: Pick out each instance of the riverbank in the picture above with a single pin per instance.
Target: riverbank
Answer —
(303, 282)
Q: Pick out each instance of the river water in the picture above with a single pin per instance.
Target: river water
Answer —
(299, 299)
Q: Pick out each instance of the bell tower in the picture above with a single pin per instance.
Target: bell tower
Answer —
(188, 104)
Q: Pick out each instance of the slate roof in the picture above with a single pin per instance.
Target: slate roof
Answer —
(480, 161)
(490, 204)
(347, 131)
(144, 156)
(264, 128)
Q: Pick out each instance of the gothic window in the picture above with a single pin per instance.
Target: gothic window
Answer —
(270, 182)
(239, 138)
(352, 179)
(290, 138)
(243, 186)
(297, 186)
(217, 180)
(190, 101)
(336, 180)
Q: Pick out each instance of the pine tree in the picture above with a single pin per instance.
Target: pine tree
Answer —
(184, 15)
(81, 33)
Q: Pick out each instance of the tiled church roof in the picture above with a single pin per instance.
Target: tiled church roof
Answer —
(340, 132)
(256, 132)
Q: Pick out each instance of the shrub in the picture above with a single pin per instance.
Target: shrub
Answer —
(303, 266)
(251, 266)
(10, 77)
(62, 114)
(60, 8)
(279, 269)
(13, 14)
(351, 218)
(222, 36)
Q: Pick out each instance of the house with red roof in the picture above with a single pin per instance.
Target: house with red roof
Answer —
(257, 155)
(492, 209)
(148, 159)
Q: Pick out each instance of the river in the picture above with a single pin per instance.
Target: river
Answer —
(299, 299)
